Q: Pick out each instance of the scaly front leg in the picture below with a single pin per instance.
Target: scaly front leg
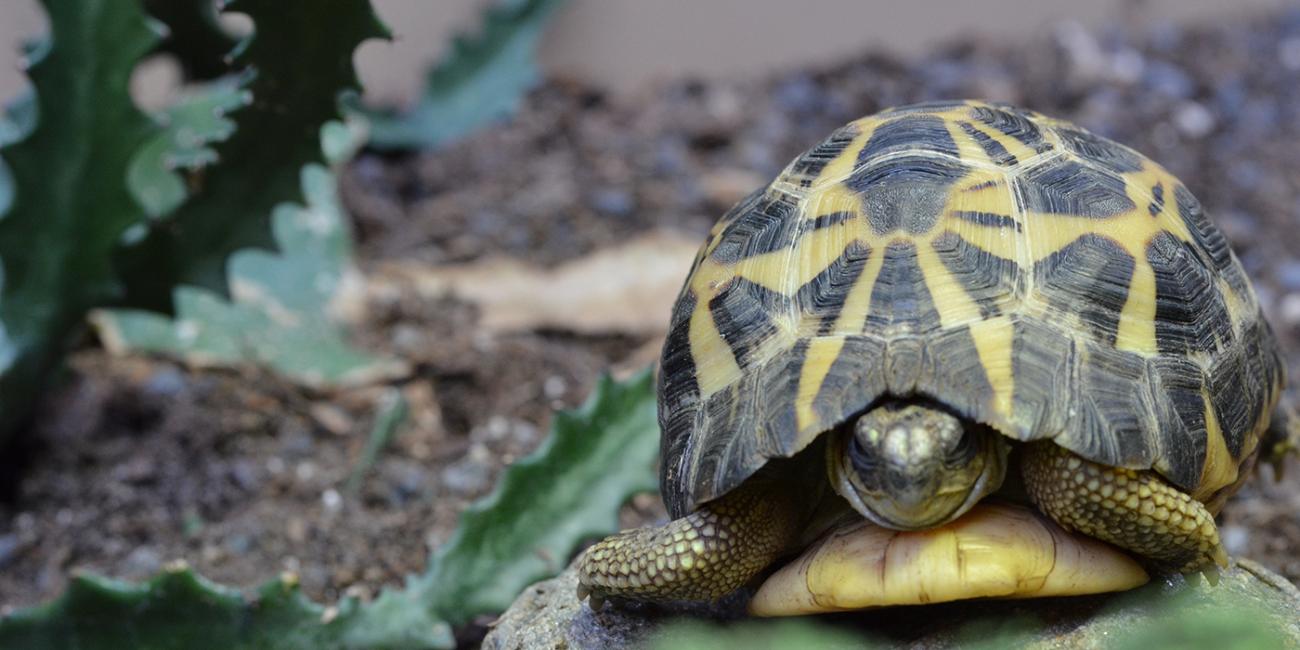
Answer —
(1135, 510)
(701, 557)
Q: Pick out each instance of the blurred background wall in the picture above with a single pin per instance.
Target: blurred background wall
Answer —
(625, 43)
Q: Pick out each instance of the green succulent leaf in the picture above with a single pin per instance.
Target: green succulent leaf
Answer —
(194, 36)
(481, 80)
(281, 311)
(180, 610)
(569, 490)
(195, 121)
(68, 203)
(16, 121)
(300, 59)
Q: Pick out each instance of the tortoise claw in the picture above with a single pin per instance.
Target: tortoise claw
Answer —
(1211, 574)
(594, 598)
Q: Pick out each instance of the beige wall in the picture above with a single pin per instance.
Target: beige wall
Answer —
(624, 43)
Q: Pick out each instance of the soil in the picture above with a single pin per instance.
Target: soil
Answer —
(134, 462)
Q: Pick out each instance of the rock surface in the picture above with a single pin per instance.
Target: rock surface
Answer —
(1250, 605)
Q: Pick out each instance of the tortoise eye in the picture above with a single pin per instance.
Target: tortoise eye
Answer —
(965, 447)
(863, 460)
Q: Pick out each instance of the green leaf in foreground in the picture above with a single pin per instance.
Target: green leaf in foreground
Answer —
(16, 121)
(195, 121)
(180, 610)
(280, 314)
(70, 204)
(570, 489)
(481, 80)
(300, 56)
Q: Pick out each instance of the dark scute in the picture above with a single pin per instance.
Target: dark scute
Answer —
(996, 152)
(1108, 153)
(1062, 186)
(1041, 362)
(679, 396)
(677, 364)
(708, 451)
(988, 279)
(1266, 366)
(1116, 418)
(909, 133)
(1090, 278)
(808, 166)
(742, 312)
(1210, 240)
(991, 219)
(983, 185)
(1157, 200)
(1190, 314)
(906, 193)
(855, 379)
(762, 223)
(952, 373)
(777, 386)
(900, 296)
(1011, 122)
(1180, 409)
(823, 296)
(1232, 389)
(1243, 381)
(830, 219)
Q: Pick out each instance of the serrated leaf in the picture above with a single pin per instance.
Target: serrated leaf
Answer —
(482, 79)
(280, 312)
(195, 121)
(16, 121)
(570, 489)
(180, 610)
(300, 56)
(194, 36)
(70, 204)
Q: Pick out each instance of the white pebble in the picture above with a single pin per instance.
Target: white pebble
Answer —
(1290, 309)
(331, 500)
(1235, 539)
(1194, 119)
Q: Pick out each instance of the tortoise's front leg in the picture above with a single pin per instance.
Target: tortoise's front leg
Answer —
(1134, 510)
(698, 558)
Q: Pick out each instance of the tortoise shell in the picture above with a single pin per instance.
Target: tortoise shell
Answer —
(1026, 273)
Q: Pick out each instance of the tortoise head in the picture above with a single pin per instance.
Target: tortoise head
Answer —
(910, 465)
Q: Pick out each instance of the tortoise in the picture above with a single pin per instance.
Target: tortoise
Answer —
(939, 303)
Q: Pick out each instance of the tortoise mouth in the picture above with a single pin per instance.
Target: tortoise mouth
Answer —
(996, 550)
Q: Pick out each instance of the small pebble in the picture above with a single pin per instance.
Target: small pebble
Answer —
(9, 546)
(143, 561)
(1193, 119)
(1289, 307)
(238, 544)
(167, 382)
(331, 500)
(1236, 539)
(554, 387)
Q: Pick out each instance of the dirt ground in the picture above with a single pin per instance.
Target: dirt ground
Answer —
(135, 462)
